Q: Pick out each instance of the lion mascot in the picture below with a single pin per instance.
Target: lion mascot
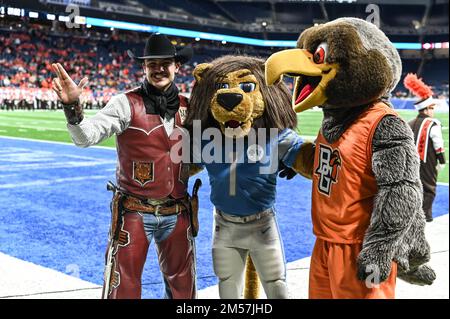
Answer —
(248, 138)
(366, 194)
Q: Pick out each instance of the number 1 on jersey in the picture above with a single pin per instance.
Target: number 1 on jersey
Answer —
(233, 167)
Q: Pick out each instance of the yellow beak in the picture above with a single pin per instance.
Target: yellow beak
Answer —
(299, 63)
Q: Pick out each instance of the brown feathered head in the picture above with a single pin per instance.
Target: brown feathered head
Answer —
(343, 63)
(231, 93)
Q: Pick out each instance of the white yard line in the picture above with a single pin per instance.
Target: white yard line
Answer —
(22, 279)
(35, 166)
(24, 155)
(33, 127)
(53, 142)
(308, 137)
(8, 175)
(53, 181)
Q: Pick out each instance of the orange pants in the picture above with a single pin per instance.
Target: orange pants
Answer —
(333, 274)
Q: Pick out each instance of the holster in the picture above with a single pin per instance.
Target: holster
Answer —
(191, 203)
(114, 232)
(116, 210)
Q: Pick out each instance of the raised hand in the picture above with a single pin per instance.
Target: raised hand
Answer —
(66, 89)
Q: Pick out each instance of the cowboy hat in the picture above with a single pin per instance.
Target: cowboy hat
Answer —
(158, 46)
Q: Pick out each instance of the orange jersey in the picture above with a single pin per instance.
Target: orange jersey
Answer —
(344, 186)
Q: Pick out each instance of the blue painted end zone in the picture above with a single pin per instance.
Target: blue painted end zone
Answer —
(55, 212)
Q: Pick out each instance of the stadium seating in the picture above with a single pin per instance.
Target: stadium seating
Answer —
(27, 51)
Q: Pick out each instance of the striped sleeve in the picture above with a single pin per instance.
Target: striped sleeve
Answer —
(289, 143)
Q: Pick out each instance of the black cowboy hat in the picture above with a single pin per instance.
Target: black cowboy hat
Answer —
(158, 46)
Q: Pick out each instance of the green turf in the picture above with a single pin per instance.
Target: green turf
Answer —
(51, 126)
(40, 125)
(309, 123)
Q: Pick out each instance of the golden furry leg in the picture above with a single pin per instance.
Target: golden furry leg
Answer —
(251, 290)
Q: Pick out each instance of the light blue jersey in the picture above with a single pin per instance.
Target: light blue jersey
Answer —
(247, 185)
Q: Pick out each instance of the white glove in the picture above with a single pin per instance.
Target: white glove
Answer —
(440, 167)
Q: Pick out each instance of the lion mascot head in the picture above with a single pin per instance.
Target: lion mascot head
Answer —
(230, 93)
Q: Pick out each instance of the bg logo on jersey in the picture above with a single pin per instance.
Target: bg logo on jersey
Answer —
(327, 170)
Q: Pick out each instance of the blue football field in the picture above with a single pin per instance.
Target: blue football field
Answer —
(54, 211)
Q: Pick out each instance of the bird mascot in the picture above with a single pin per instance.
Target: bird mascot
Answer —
(366, 192)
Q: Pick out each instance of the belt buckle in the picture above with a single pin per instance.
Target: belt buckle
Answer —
(157, 207)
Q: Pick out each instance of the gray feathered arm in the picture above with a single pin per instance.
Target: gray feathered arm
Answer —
(396, 230)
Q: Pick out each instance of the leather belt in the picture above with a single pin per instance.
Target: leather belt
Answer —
(244, 219)
(138, 205)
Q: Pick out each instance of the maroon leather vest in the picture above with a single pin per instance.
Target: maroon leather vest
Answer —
(144, 165)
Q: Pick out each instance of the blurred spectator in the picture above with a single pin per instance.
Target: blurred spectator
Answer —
(27, 49)
(26, 56)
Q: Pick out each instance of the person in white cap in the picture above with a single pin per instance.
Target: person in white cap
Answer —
(429, 142)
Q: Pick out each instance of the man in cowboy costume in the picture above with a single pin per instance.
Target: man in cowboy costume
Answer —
(429, 142)
(150, 197)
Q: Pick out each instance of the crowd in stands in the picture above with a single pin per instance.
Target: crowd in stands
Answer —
(27, 51)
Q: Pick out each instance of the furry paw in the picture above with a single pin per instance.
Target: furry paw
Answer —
(420, 253)
(286, 172)
(373, 265)
(422, 275)
(402, 263)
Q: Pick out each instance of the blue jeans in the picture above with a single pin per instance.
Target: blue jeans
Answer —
(159, 227)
